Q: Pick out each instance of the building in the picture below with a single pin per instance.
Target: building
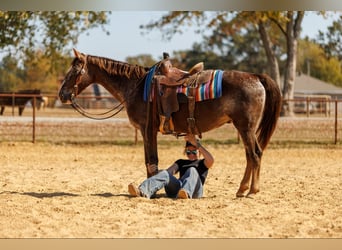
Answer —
(315, 96)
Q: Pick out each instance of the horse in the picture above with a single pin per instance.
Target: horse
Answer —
(21, 100)
(251, 102)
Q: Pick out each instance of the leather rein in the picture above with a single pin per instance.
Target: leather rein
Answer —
(98, 116)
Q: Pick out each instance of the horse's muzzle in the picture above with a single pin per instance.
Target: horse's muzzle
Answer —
(65, 96)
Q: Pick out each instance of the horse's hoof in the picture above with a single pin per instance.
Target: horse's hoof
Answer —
(240, 195)
(251, 195)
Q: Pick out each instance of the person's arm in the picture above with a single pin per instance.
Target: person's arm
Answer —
(173, 169)
(208, 158)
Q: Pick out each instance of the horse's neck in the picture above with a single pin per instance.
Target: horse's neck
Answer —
(120, 79)
(120, 87)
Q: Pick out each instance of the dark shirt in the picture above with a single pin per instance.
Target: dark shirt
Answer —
(184, 165)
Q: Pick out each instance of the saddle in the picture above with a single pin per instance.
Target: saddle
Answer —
(168, 79)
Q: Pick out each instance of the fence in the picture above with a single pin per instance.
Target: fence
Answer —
(61, 124)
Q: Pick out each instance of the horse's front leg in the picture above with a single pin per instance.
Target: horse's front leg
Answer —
(151, 152)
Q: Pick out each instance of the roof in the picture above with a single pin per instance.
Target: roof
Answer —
(305, 84)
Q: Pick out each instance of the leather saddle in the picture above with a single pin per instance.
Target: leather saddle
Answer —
(172, 76)
(168, 79)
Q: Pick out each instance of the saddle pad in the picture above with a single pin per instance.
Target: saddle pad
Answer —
(148, 82)
(209, 90)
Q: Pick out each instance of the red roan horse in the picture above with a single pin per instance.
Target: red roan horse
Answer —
(250, 101)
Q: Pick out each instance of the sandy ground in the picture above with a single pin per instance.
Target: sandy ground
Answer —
(80, 191)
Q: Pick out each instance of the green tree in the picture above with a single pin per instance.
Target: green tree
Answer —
(24, 32)
(10, 74)
(243, 49)
(187, 58)
(37, 75)
(313, 60)
(142, 60)
(331, 41)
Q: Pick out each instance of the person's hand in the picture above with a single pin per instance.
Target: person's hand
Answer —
(191, 138)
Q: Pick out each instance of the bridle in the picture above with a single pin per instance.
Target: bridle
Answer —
(95, 116)
(105, 115)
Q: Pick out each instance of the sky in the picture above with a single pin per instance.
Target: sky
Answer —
(126, 38)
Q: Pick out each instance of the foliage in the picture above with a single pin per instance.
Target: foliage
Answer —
(35, 45)
(187, 58)
(10, 74)
(142, 60)
(331, 41)
(34, 74)
(25, 32)
(313, 61)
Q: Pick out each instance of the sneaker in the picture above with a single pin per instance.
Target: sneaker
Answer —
(134, 191)
(182, 194)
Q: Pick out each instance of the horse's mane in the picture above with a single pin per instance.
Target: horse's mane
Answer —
(117, 68)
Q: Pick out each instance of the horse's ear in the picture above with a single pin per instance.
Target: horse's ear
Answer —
(76, 53)
(166, 55)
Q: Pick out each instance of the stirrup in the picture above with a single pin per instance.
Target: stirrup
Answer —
(166, 125)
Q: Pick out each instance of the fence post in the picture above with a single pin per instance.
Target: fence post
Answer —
(336, 114)
(307, 106)
(34, 120)
(13, 103)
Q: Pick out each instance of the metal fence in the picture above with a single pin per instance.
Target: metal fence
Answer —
(63, 124)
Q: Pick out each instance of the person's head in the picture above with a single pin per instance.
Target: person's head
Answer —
(191, 151)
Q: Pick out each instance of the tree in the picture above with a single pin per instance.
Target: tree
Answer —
(10, 74)
(292, 33)
(33, 74)
(222, 25)
(142, 60)
(313, 61)
(331, 41)
(24, 32)
(288, 22)
(243, 50)
(188, 58)
(37, 75)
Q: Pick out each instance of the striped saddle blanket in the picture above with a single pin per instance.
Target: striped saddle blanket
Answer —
(208, 90)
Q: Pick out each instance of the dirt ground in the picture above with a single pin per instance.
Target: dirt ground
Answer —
(80, 191)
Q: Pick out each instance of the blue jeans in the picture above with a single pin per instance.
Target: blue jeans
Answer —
(190, 182)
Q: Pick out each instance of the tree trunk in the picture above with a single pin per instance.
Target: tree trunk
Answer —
(293, 27)
(271, 58)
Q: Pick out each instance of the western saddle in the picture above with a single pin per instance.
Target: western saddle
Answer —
(168, 79)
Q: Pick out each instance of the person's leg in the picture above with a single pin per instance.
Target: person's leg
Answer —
(191, 184)
(172, 187)
(156, 182)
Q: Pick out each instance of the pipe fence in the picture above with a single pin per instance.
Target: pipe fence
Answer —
(316, 120)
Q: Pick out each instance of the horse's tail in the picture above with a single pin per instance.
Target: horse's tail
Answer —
(271, 111)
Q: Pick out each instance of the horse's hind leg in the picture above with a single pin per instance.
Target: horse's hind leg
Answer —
(255, 184)
(253, 157)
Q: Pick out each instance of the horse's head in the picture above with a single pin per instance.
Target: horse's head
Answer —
(76, 79)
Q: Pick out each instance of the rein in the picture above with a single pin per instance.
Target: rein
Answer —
(98, 116)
